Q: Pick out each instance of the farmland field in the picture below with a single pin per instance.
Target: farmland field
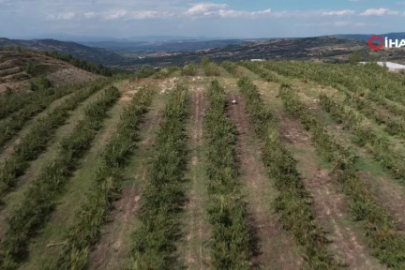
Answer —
(245, 165)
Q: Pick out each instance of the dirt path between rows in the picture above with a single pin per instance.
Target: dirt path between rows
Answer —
(195, 249)
(274, 246)
(329, 204)
(114, 247)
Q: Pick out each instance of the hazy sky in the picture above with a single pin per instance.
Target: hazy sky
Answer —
(226, 18)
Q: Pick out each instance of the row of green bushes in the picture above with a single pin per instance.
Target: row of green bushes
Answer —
(393, 126)
(364, 135)
(231, 67)
(231, 242)
(262, 72)
(384, 239)
(11, 126)
(156, 238)
(86, 229)
(38, 138)
(357, 96)
(12, 101)
(41, 197)
(189, 70)
(356, 78)
(165, 72)
(294, 203)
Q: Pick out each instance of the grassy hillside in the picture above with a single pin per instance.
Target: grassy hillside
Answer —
(20, 69)
(243, 165)
(94, 55)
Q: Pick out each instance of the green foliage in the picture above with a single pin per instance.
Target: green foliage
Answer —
(91, 67)
(30, 68)
(356, 78)
(356, 57)
(189, 70)
(40, 101)
(262, 72)
(383, 237)
(8, 93)
(17, 101)
(40, 84)
(38, 138)
(93, 215)
(211, 69)
(40, 198)
(230, 247)
(144, 72)
(393, 126)
(294, 203)
(379, 146)
(159, 230)
(165, 72)
(205, 61)
(230, 67)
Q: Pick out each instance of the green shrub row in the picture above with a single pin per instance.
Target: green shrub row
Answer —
(227, 211)
(384, 239)
(393, 126)
(231, 67)
(41, 197)
(11, 126)
(262, 72)
(156, 238)
(365, 136)
(38, 138)
(14, 101)
(165, 72)
(294, 203)
(356, 78)
(189, 70)
(86, 229)
(211, 70)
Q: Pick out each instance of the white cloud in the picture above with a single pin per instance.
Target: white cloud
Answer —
(379, 12)
(62, 16)
(118, 14)
(129, 15)
(204, 8)
(339, 13)
(223, 11)
(240, 14)
(349, 23)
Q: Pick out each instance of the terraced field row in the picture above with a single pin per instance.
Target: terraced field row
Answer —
(272, 165)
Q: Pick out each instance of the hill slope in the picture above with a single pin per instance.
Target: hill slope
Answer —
(270, 165)
(19, 68)
(96, 55)
(291, 49)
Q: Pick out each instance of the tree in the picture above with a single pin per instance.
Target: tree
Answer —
(355, 57)
(205, 61)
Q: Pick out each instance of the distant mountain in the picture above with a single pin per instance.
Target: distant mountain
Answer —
(95, 55)
(337, 49)
(163, 46)
(367, 37)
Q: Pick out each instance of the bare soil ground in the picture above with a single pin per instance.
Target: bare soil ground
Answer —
(329, 203)
(114, 247)
(195, 247)
(275, 249)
